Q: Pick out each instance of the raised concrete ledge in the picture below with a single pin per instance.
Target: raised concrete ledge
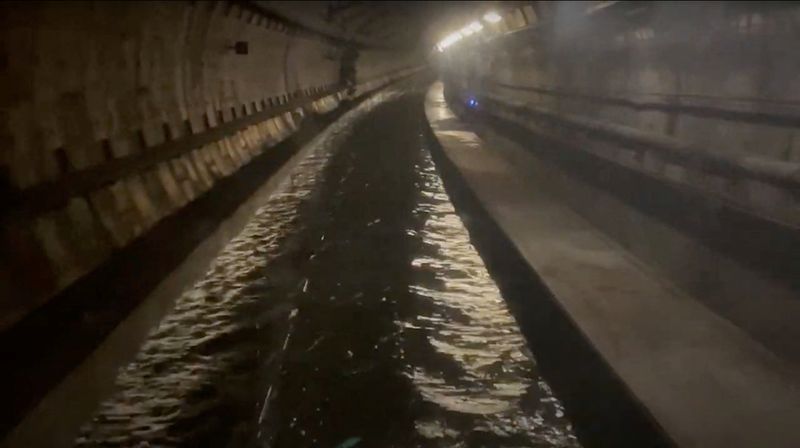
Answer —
(741, 264)
(702, 379)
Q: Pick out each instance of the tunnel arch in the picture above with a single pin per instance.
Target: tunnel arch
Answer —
(116, 86)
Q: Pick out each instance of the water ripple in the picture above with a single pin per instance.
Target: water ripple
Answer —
(491, 377)
(352, 309)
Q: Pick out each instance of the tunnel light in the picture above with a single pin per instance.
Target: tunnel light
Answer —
(468, 30)
(449, 40)
(472, 28)
(492, 17)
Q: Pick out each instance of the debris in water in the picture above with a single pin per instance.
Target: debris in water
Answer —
(349, 443)
(319, 339)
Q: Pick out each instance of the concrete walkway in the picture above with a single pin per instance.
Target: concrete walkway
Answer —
(704, 381)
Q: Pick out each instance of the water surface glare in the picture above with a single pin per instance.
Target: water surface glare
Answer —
(352, 311)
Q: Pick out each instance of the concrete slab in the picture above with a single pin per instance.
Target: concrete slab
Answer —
(704, 380)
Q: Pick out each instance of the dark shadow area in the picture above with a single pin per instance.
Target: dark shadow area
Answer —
(347, 68)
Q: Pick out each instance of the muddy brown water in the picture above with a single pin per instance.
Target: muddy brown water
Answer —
(352, 311)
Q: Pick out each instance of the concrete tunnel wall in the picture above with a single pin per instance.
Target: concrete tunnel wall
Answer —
(702, 94)
(95, 90)
(674, 130)
(722, 76)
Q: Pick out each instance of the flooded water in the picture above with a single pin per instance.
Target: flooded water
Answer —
(352, 311)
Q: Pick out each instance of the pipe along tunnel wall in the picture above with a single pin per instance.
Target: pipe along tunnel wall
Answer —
(122, 123)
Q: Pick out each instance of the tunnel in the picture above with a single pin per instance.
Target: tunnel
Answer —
(400, 224)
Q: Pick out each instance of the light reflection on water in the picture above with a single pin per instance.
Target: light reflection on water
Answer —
(469, 323)
(352, 309)
(170, 384)
(171, 394)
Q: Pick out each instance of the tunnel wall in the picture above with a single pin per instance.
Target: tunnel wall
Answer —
(117, 114)
(703, 94)
(720, 75)
(661, 139)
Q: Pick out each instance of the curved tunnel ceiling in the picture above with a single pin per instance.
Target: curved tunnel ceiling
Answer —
(392, 24)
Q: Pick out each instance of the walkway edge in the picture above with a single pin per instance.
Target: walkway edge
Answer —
(704, 381)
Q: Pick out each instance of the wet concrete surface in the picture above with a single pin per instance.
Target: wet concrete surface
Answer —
(352, 311)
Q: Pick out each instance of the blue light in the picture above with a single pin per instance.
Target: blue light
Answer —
(472, 103)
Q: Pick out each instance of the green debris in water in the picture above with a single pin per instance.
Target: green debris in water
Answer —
(349, 443)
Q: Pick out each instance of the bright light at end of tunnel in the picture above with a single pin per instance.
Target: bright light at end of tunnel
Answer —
(492, 17)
